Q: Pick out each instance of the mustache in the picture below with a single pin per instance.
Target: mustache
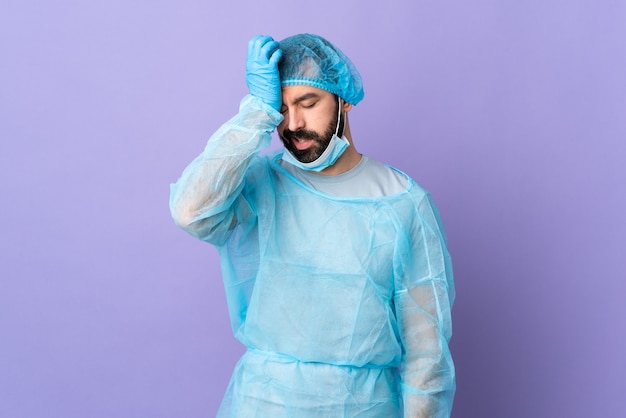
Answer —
(300, 134)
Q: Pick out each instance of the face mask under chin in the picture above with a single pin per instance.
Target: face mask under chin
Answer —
(331, 154)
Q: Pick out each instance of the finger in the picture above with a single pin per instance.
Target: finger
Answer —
(258, 40)
(255, 44)
(276, 56)
(268, 49)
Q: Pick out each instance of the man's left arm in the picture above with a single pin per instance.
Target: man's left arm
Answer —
(424, 297)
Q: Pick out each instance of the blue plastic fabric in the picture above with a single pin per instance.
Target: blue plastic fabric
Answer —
(343, 303)
(313, 61)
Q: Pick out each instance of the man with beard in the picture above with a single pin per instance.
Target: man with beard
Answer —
(335, 266)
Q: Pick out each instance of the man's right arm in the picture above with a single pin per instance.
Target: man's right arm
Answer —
(204, 200)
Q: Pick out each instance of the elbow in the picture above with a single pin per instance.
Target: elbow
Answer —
(203, 228)
(182, 211)
(186, 220)
(182, 214)
(200, 219)
(182, 218)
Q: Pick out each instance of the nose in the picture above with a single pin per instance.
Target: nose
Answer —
(295, 120)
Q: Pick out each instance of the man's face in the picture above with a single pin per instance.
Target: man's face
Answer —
(310, 121)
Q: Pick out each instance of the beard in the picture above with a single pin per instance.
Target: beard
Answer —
(320, 142)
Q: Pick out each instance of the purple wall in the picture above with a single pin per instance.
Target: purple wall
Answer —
(513, 115)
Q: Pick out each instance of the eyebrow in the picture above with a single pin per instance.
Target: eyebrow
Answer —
(305, 96)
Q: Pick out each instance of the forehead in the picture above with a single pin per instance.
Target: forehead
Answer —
(293, 94)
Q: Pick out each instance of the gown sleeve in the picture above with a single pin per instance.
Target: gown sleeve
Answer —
(206, 200)
(424, 296)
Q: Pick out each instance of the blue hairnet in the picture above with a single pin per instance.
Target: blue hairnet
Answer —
(313, 61)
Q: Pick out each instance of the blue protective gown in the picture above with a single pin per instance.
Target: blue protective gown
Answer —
(343, 303)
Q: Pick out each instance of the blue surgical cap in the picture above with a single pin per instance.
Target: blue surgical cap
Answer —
(313, 61)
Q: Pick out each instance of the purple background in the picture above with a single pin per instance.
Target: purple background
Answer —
(512, 113)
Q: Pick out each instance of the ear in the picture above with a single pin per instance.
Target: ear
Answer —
(346, 106)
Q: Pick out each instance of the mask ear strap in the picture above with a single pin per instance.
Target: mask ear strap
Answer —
(338, 115)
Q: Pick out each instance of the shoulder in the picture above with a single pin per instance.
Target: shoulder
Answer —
(390, 180)
(413, 193)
